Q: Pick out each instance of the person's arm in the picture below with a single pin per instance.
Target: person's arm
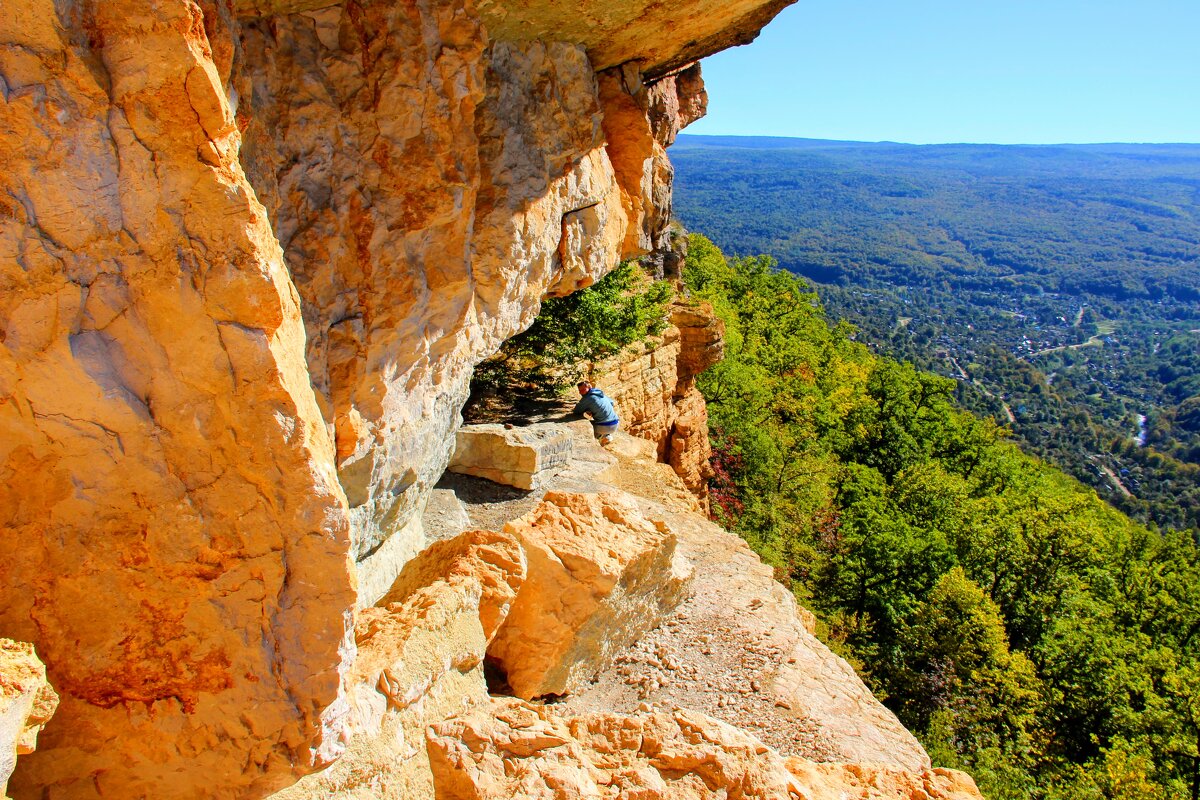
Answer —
(586, 405)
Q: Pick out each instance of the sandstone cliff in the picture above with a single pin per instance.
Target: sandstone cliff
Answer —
(249, 253)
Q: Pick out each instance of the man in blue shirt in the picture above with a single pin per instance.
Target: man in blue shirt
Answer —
(593, 402)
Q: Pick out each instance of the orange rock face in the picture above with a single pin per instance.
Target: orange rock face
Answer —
(619, 31)
(173, 536)
(599, 576)
(427, 192)
(640, 122)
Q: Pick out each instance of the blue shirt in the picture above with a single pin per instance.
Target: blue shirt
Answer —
(599, 406)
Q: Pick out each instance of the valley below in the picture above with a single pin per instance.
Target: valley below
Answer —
(1060, 285)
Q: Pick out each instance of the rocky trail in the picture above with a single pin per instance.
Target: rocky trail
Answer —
(738, 649)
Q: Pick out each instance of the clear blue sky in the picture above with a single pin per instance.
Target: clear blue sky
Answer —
(1002, 71)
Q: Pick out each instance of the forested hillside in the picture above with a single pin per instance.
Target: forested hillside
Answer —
(1059, 286)
(1026, 630)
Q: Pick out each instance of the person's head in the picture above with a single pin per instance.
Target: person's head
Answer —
(584, 387)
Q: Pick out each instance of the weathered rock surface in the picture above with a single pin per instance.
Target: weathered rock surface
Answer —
(600, 575)
(420, 660)
(612, 32)
(427, 191)
(518, 750)
(619, 31)
(173, 536)
(688, 449)
(642, 383)
(522, 457)
(866, 782)
(445, 515)
(701, 337)
(27, 701)
(740, 649)
(641, 121)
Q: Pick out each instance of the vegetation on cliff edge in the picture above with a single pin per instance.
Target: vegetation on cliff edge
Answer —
(1023, 628)
(568, 335)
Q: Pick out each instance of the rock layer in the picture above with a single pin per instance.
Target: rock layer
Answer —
(656, 396)
(616, 32)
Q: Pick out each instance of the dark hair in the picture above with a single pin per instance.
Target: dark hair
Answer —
(582, 384)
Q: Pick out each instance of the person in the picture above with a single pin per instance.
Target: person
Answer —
(592, 401)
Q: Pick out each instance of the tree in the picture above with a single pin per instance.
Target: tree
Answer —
(955, 676)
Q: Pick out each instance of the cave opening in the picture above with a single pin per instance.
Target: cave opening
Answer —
(533, 374)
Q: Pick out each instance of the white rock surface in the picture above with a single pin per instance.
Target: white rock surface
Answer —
(523, 457)
(27, 702)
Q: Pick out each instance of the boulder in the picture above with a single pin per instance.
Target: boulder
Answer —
(490, 562)
(835, 781)
(445, 516)
(600, 575)
(518, 750)
(689, 451)
(420, 660)
(521, 457)
(701, 336)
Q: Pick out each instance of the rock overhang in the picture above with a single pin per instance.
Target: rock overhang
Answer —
(660, 38)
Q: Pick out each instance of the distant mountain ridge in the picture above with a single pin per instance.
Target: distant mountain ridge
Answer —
(1118, 220)
(691, 140)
